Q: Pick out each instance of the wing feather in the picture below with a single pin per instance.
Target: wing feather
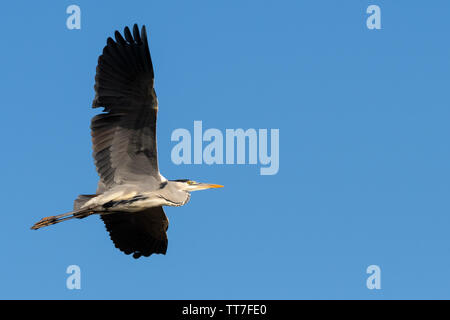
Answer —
(124, 135)
(141, 234)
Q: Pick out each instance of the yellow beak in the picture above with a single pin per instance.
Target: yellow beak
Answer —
(204, 186)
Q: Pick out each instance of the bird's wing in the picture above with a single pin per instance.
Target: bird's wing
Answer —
(140, 233)
(124, 135)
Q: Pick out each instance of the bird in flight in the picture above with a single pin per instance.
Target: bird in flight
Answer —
(131, 192)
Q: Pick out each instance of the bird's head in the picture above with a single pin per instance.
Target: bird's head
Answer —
(178, 192)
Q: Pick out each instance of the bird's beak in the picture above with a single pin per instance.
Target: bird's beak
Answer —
(204, 186)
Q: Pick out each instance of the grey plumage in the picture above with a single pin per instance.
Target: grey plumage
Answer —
(131, 191)
(124, 137)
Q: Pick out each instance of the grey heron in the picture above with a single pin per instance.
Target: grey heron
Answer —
(131, 191)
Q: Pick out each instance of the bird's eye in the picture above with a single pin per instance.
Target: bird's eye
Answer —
(191, 182)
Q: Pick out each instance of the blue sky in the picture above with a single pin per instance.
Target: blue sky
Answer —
(364, 149)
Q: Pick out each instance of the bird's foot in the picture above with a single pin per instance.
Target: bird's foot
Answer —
(46, 221)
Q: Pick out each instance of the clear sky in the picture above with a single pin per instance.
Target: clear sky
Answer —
(363, 117)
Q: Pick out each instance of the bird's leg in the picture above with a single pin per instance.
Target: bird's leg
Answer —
(48, 221)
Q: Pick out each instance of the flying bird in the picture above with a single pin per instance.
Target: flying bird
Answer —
(131, 191)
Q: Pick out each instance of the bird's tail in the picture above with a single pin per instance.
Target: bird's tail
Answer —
(48, 221)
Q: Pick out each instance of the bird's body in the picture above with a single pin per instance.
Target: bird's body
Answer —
(131, 191)
(134, 198)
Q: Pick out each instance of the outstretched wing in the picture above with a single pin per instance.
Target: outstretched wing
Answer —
(124, 136)
(141, 233)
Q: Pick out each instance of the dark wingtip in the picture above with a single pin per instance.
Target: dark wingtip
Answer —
(128, 35)
(119, 38)
(110, 41)
(137, 255)
(136, 35)
(144, 33)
